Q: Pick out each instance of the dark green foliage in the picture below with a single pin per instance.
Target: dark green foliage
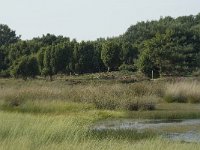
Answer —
(168, 47)
(86, 58)
(50, 39)
(127, 67)
(110, 55)
(3, 65)
(7, 36)
(55, 59)
(40, 59)
(171, 53)
(62, 56)
(83, 56)
(48, 62)
(175, 98)
(5, 74)
(106, 104)
(129, 53)
(135, 106)
(25, 67)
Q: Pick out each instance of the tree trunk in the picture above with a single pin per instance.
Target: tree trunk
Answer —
(51, 79)
(160, 71)
(108, 69)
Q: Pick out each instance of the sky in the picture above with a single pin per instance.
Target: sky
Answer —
(87, 19)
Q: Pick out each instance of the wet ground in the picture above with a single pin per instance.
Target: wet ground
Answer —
(176, 130)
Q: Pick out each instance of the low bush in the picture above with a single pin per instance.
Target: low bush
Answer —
(126, 67)
(132, 106)
(148, 106)
(178, 97)
(105, 104)
(137, 104)
(101, 95)
(140, 105)
(4, 74)
(13, 100)
(196, 73)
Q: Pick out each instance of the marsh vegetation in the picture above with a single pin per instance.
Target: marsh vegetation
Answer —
(53, 90)
(39, 114)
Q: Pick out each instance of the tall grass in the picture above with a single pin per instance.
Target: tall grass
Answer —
(183, 92)
(101, 95)
(59, 115)
(42, 130)
(25, 131)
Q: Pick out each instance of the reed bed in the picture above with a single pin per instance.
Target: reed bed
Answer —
(183, 92)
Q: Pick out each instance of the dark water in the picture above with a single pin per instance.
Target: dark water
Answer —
(189, 136)
(176, 130)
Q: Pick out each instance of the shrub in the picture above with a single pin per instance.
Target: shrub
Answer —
(178, 97)
(127, 67)
(141, 103)
(25, 67)
(132, 106)
(196, 73)
(148, 106)
(13, 100)
(194, 98)
(135, 106)
(141, 89)
(105, 104)
(4, 74)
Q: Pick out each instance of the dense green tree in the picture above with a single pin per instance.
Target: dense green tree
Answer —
(169, 46)
(55, 59)
(171, 53)
(85, 59)
(40, 59)
(129, 53)
(50, 39)
(7, 36)
(26, 66)
(2, 59)
(62, 57)
(47, 69)
(98, 64)
(110, 55)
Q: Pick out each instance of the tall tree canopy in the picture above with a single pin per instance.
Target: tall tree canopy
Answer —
(110, 55)
(7, 36)
(168, 46)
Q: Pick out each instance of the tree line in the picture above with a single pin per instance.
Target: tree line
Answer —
(168, 46)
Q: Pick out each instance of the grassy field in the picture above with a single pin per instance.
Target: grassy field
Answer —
(28, 131)
(38, 114)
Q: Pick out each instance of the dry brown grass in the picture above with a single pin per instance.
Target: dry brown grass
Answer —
(102, 95)
(184, 91)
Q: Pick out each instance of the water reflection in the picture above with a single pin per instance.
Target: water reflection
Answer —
(177, 130)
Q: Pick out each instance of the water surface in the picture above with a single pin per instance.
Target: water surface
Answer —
(177, 130)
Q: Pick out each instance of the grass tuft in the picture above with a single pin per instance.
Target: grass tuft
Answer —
(183, 92)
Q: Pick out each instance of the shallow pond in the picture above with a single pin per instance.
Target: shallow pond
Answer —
(177, 130)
